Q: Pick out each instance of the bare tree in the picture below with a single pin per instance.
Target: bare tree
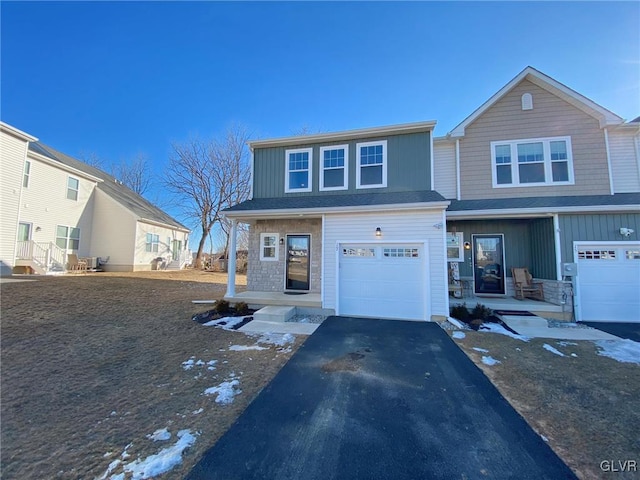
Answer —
(91, 158)
(134, 174)
(208, 176)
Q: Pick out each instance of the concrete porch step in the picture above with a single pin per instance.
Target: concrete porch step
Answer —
(261, 326)
(274, 313)
(537, 327)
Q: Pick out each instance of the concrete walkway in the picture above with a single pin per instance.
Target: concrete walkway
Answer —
(262, 326)
(537, 327)
(380, 399)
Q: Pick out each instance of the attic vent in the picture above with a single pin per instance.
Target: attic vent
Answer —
(527, 102)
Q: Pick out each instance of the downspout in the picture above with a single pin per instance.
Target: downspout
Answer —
(251, 174)
(458, 169)
(446, 264)
(606, 146)
(432, 155)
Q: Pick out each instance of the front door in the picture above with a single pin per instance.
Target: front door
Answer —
(24, 232)
(298, 252)
(176, 246)
(488, 264)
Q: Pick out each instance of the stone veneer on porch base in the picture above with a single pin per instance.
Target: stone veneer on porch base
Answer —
(268, 276)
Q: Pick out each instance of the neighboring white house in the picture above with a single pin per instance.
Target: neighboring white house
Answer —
(54, 205)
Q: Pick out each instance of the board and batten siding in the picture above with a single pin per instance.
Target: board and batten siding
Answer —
(595, 228)
(444, 164)
(45, 204)
(550, 117)
(13, 152)
(408, 166)
(417, 226)
(625, 164)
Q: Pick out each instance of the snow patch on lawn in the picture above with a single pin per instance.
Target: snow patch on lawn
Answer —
(241, 348)
(225, 391)
(278, 339)
(482, 350)
(624, 351)
(153, 465)
(487, 360)
(549, 348)
(497, 328)
(458, 334)
(159, 435)
(192, 362)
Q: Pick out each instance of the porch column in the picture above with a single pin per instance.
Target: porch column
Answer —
(231, 264)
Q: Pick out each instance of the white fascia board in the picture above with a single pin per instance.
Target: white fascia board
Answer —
(318, 212)
(5, 127)
(537, 212)
(346, 135)
(62, 166)
(604, 116)
(164, 225)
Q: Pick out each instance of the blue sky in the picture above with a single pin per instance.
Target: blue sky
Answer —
(120, 78)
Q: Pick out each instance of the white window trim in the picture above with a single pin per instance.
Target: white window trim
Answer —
(26, 176)
(384, 163)
(68, 237)
(72, 190)
(345, 169)
(276, 247)
(460, 257)
(155, 240)
(515, 173)
(287, 189)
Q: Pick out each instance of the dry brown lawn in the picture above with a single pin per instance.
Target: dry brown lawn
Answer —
(93, 363)
(588, 406)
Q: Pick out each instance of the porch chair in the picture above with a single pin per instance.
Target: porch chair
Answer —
(75, 264)
(524, 285)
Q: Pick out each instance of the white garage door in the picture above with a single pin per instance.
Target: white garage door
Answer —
(385, 281)
(609, 282)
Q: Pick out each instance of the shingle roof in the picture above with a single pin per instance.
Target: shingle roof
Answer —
(119, 192)
(619, 199)
(336, 201)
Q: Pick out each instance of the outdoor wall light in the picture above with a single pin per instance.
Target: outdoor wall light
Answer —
(467, 246)
(378, 232)
(38, 229)
(281, 240)
(625, 232)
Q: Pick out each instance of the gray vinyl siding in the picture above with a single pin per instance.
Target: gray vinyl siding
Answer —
(408, 166)
(525, 244)
(597, 228)
(550, 117)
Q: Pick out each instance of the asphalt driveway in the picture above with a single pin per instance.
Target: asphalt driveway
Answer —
(380, 399)
(619, 329)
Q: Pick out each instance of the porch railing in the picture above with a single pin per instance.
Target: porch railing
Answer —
(46, 255)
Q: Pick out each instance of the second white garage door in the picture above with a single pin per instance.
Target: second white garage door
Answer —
(384, 281)
(609, 281)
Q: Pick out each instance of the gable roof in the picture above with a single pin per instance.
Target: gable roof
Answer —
(140, 207)
(604, 116)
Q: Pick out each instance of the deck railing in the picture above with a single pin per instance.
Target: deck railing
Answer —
(44, 254)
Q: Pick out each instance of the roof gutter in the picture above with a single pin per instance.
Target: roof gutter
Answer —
(58, 164)
(165, 225)
(319, 211)
(537, 212)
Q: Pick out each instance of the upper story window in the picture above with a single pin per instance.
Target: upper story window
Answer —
(73, 186)
(371, 164)
(298, 171)
(67, 238)
(334, 167)
(269, 246)
(27, 172)
(532, 162)
(153, 243)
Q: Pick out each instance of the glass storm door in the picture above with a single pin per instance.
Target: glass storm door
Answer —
(24, 232)
(488, 264)
(297, 274)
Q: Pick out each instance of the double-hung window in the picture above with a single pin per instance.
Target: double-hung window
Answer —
(269, 246)
(532, 162)
(73, 185)
(298, 170)
(27, 172)
(371, 164)
(153, 243)
(67, 238)
(334, 167)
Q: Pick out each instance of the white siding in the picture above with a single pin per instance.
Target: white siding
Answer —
(143, 259)
(625, 164)
(13, 152)
(415, 226)
(444, 158)
(114, 233)
(44, 204)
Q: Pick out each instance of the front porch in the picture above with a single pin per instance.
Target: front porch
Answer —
(509, 303)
